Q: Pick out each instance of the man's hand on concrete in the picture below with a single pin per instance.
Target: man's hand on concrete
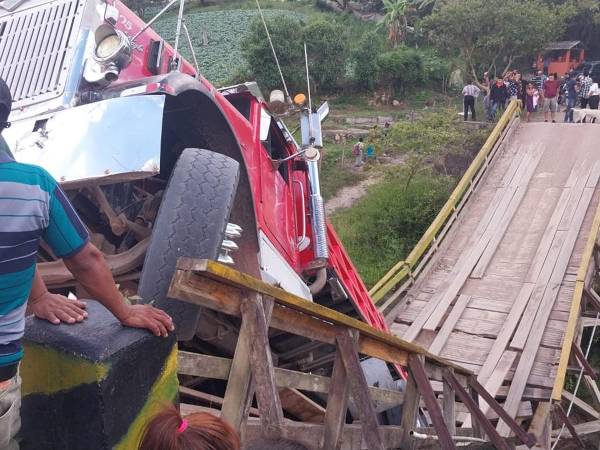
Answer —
(148, 317)
(56, 308)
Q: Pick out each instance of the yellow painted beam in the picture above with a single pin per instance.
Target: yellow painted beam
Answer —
(401, 270)
(574, 313)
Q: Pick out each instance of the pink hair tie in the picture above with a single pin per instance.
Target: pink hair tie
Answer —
(182, 426)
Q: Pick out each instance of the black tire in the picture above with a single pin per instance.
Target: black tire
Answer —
(191, 222)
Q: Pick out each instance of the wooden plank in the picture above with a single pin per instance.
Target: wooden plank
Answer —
(442, 336)
(410, 410)
(239, 393)
(449, 408)
(224, 295)
(198, 365)
(525, 438)
(541, 424)
(261, 364)
(581, 405)
(489, 241)
(346, 346)
(337, 405)
(578, 195)
(592, 388)
(583, 361)
(562, 416)
(538, 325)
(477, 414)
(309, 433)
(415, 365)
(299, 405)
(212, 400)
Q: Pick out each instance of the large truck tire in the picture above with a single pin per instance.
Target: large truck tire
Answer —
(191, 222)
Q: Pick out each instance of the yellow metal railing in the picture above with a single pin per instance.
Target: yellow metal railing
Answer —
(403, 269)
(574, 313)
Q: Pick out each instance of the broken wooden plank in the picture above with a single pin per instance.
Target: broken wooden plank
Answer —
(212, 400)
(442, 336)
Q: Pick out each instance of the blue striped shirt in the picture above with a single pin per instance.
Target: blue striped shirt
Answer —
(32, 207)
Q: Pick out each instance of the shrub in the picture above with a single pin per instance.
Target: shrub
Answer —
(327, 49)
(364, 59)
(385, 225)
(400, 68)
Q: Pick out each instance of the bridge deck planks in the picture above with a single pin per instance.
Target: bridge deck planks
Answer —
(493, 296)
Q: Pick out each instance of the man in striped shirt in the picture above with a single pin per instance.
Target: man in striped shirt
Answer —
(34, 207)
(470, 93)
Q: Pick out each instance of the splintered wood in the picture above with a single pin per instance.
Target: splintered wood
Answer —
(496, 297)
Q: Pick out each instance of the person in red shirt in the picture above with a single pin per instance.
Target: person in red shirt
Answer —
(550, 95)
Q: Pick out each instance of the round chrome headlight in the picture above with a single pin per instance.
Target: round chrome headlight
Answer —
(112, 46)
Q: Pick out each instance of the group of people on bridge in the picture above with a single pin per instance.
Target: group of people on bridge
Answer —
(540, 92)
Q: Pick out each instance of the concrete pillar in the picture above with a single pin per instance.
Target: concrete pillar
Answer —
(94, 385)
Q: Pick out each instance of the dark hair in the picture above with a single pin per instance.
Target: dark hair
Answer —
(275, 444)
(198, 431)
(360, 139)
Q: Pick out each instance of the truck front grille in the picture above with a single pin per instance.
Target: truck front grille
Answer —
(36, 48)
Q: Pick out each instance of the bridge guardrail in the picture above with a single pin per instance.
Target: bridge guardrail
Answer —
(409, 268)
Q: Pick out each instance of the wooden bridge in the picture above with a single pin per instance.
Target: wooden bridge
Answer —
(500, 281)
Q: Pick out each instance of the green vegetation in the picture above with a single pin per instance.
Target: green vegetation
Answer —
(223, 32)
(385, 224)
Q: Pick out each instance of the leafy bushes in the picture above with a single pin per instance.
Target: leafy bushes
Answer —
(384, 226)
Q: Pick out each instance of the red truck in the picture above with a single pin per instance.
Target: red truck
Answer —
(160, 164)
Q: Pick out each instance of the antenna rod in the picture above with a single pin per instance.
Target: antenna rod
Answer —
(310, 133)
(149, 24)
(287, 94)
(176, 55)
(189, 39)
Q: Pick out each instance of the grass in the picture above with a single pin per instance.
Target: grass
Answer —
(384, 226)
(335, 177)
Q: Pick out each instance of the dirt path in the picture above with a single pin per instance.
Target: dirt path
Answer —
(347, 196)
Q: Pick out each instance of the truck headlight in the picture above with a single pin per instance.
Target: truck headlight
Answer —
(112, 46)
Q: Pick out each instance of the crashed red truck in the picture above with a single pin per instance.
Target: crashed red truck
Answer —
(160, 164)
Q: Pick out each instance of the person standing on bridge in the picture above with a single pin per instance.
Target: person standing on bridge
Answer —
(550, 96)
(34, 207)
(571, 88)
(584, 93)
(498, 97)
(470, 93)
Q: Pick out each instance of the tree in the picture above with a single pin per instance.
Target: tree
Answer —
(396, 20)
(286, 34)
(327, 50)
(491, 35)
(364, 58)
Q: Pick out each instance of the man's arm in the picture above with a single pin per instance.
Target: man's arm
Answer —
(90, 269)
(54, 308)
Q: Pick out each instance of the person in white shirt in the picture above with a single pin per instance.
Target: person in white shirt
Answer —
(470, 93)
(594, 98)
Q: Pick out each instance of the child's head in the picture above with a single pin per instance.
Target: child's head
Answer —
(198, 431)
(275, 444)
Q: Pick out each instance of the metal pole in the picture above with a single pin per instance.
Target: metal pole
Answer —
(176, 56)
(189, 39)
(160, 13)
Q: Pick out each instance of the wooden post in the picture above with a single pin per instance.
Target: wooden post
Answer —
(562, 416)
(415, 365)
(525, 437)
(238, 394)
(476, 413)
(583, 362)
(337, 404)
(261, 363)
(346, 346)
(410, 410)
(477, 432)
(448, 405)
